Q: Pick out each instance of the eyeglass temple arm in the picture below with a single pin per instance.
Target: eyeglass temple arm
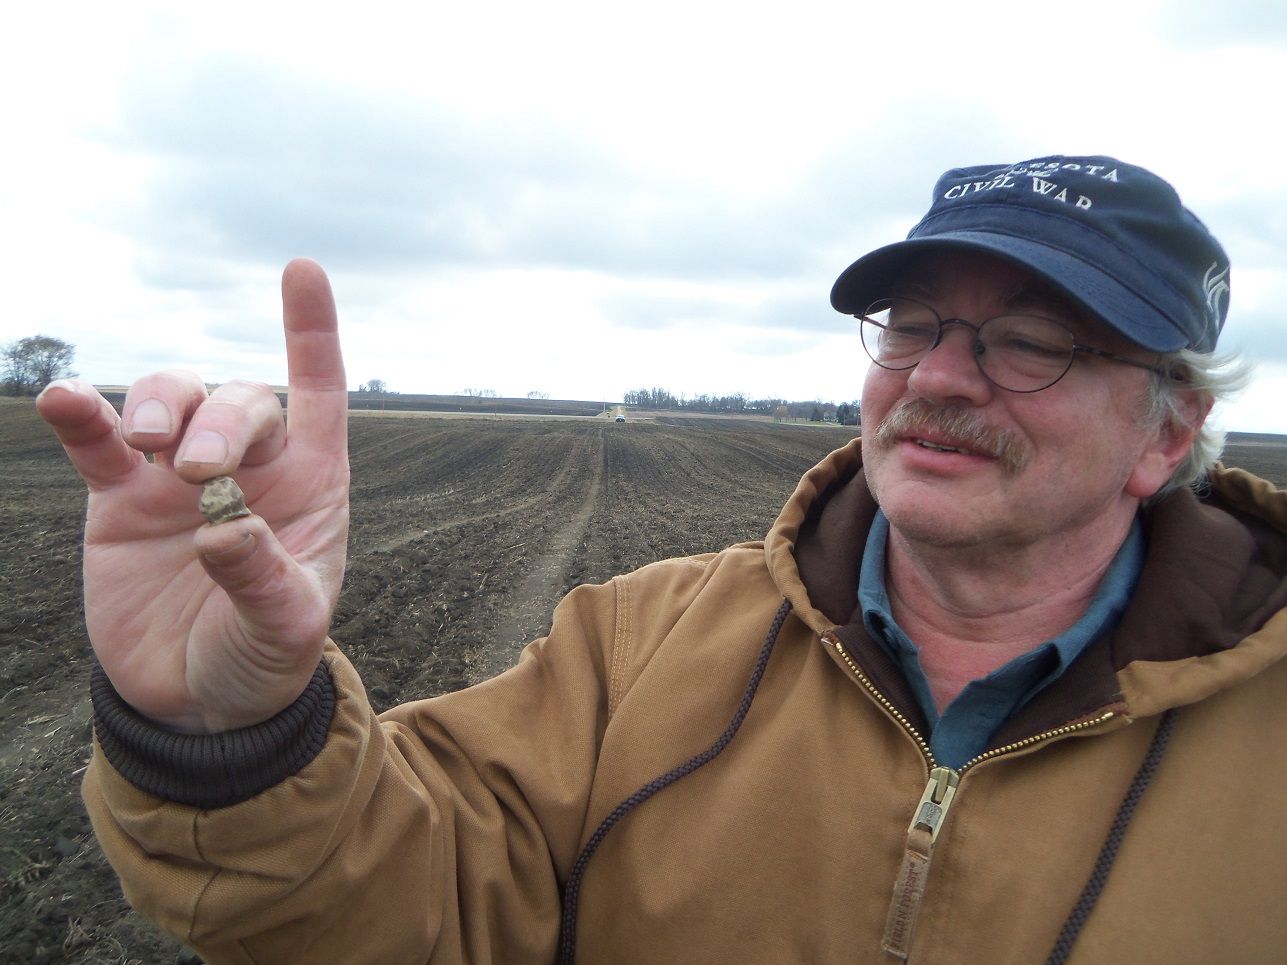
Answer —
(1100, 353)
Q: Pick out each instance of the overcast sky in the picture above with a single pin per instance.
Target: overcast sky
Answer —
(585, 198)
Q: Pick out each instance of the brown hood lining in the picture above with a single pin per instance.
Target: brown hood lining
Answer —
(1212, 575)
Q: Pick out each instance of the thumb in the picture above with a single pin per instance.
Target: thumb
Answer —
(278, 602)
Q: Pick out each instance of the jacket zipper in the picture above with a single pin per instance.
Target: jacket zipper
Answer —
(932, 809)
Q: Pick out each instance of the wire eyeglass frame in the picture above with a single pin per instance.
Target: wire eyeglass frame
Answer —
(873, 331)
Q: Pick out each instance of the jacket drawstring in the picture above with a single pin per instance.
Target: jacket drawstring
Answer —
(571, 892)
(1108, 854)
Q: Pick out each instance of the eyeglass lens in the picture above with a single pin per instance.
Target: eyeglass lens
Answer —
(1023, 353)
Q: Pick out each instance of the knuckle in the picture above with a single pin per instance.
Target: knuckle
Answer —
(248, 386)
(254, 396)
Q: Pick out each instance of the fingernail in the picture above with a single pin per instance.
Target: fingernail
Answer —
(151, 416)
(238, 552)
(67, 385)
(206, 447)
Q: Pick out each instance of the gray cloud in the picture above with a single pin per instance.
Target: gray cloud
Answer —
(1259, 336)
(874, 186)
(255, 335)
(1252, 229)
(786, 315)
(660, 312)
(811, 313)
(1203, 24)
(179, 270)
(255, 166)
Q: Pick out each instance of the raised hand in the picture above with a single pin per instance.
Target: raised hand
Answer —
(205, 628)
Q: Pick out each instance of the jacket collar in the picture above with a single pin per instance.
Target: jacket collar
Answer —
(1215, 576)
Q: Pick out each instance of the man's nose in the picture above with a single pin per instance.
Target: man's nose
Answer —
(950, 371)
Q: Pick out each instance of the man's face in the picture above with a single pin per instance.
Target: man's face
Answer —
(973, 465)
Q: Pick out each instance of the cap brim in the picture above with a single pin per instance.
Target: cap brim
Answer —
(871, 276)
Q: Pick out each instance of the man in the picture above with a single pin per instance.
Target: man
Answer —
(997, 686)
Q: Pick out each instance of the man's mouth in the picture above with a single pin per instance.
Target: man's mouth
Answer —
(952, 430)
(940, 447)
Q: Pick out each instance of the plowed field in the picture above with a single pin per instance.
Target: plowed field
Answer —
(465, 532)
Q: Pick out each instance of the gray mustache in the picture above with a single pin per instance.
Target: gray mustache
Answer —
(963, 427)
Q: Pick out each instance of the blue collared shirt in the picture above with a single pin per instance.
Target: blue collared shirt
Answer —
(969, 721)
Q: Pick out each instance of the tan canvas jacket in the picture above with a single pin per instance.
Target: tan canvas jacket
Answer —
(452, 829)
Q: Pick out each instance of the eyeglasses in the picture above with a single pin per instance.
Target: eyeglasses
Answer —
(1019, 353)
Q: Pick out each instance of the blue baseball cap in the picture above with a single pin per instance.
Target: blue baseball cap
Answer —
(1111, 236)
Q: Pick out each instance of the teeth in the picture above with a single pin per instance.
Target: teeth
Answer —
(936, 447)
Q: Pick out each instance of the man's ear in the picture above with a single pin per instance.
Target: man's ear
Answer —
(1170, 444)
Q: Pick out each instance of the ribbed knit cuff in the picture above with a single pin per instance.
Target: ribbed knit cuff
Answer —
(212, 770)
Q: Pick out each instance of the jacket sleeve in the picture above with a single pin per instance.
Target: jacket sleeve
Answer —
(439, 832)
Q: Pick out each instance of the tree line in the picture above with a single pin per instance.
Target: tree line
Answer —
(845, 413)
(27, 365)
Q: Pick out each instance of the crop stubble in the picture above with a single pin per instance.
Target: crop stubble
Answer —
(464, 535)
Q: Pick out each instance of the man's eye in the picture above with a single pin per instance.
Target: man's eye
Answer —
(911, 330)
(1036, 348)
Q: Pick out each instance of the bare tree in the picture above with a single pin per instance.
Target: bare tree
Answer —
(32, 363)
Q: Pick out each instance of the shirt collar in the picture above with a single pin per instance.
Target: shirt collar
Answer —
(1106, 607)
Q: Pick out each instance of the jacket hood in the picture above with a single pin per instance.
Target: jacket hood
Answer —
(1209, 611)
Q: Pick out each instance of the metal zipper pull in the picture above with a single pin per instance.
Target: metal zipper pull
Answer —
(934, 803)
(913, 874)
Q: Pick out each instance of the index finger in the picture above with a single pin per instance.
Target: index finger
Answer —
(89, 430)
(317, 409)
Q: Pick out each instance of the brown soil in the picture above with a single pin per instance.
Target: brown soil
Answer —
(465, 533)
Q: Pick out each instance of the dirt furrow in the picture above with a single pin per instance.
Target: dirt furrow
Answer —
(485, 525)
(544, 583)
